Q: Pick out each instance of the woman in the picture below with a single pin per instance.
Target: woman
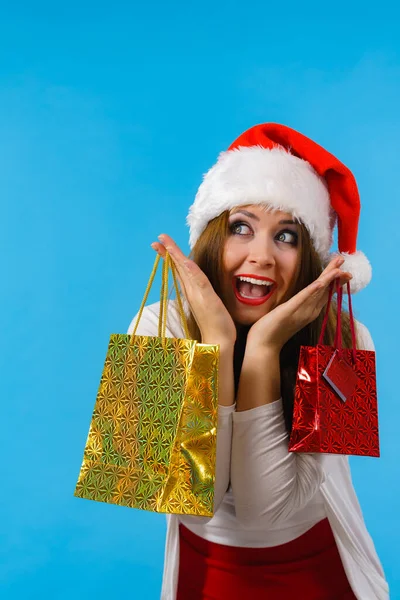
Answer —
(285, 525)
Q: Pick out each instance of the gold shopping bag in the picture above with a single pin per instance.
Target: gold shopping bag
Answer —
(152, 439)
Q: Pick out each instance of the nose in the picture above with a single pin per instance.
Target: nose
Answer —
(261, 252)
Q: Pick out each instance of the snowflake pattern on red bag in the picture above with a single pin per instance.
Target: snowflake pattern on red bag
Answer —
(322, 421)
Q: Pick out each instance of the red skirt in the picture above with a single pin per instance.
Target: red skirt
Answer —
(308, 568)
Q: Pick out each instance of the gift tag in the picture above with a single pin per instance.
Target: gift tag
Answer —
(341, 376)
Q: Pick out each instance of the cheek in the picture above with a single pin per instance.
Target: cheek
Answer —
(230, 261)
(229, 257)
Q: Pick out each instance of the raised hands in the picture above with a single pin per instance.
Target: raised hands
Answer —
(278, 326)
(271, 331)
(214, 321)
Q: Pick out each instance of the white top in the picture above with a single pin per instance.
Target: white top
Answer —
(266, 496)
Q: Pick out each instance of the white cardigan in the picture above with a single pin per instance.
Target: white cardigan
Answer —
(280, 493)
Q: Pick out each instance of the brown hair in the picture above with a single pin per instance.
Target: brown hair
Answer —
(208, 255)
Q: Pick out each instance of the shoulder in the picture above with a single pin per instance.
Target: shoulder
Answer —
(148, 323)
(364, 338)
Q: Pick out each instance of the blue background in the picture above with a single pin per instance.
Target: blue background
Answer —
(109, 116)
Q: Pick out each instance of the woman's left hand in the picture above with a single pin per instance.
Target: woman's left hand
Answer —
(274, 329)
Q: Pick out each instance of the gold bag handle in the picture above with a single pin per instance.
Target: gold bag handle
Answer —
(162, 319)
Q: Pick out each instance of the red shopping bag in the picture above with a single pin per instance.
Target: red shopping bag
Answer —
(335, 404)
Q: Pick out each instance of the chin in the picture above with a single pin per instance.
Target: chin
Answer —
(247, 320)
(245, 323)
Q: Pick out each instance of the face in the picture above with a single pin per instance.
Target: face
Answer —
(263, 248)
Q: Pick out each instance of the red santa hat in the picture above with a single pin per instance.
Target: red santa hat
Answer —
(274, 165)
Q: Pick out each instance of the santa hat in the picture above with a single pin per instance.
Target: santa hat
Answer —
(277, 166)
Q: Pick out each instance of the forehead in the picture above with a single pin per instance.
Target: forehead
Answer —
(263, 212)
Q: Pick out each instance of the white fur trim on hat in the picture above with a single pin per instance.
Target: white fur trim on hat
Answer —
(272, 177)
(358, 265)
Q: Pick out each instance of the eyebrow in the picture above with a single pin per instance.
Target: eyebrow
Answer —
(253, 216)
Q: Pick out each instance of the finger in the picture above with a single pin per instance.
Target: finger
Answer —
(190, 272)
(344, 278)
(173, 249)
(335, 266)
(310, 301)
(179, 259)
(317, 293)
(320, 285)
(170, 245)
(341, 279)
(160, 249)
(335, 263)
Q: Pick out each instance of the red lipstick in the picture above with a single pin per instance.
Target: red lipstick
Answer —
(253, 301)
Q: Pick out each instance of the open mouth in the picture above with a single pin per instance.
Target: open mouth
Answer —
(251, 291)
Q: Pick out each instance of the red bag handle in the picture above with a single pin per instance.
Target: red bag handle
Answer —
(338, 336)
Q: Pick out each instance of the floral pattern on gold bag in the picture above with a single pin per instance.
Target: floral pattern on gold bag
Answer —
(152, 439)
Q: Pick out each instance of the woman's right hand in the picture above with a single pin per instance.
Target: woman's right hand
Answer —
(212, 317)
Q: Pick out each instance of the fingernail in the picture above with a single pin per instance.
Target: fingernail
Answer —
(161, 237)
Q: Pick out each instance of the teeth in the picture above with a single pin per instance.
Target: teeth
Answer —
(255, 281)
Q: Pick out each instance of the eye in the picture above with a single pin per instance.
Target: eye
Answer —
(283, 237)
(233, 227)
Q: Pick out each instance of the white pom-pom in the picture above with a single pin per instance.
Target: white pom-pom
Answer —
(359, 266)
